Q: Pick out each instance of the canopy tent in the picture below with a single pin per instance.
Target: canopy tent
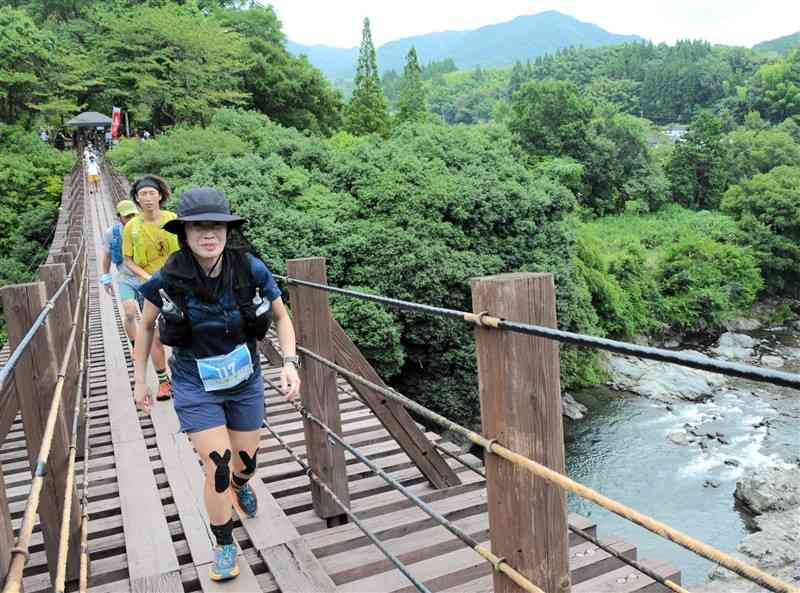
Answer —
(89, 119)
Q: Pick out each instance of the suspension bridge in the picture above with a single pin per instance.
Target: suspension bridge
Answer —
(354, 494)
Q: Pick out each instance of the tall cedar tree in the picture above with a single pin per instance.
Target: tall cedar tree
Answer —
(367, 111)
(413, 106)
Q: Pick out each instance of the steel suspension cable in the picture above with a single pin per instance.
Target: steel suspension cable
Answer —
(696, 361)
(19, 554)
(498, 564)
(700, 548)
(66, 516)
(313, 476)
(37, 324)
(580, 533)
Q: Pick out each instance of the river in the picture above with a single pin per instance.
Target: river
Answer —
(622, 448)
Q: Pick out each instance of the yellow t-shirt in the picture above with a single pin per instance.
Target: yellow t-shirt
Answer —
(147, 243)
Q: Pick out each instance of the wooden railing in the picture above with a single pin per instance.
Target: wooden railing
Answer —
(29, 388)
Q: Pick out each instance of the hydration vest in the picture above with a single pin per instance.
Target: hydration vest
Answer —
(116, 244)
(174, 323)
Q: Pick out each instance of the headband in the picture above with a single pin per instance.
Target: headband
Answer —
(147, 182)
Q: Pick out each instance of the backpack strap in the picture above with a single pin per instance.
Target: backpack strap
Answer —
(244, 284)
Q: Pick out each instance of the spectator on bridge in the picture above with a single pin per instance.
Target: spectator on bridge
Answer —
(146, 247)
(127, 282)
(93, 174)
(209, 296)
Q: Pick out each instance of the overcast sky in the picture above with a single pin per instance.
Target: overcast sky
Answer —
(733, 22)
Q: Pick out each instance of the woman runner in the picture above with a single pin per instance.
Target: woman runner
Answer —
(215, 300)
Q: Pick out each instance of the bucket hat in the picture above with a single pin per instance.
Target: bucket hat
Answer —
(126, 208)
(202, 204)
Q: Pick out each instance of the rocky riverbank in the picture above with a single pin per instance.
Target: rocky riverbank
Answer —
(773, 495)
(741, 429)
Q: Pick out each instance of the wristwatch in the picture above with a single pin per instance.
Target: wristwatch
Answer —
(295, 360)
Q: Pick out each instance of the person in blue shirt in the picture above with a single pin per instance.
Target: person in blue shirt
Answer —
(212, 301)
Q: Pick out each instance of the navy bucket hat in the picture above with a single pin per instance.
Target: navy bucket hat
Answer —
(203, 204)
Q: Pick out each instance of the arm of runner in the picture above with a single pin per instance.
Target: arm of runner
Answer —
(106, 267)
(290, 380)
(136, 269)
(144, 340)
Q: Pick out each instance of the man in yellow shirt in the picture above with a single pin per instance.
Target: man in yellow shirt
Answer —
(146, 247)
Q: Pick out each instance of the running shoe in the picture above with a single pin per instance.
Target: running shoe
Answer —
(225, 564)
(164, 391)
(247, 500)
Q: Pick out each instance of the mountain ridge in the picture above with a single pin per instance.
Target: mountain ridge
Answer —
(499, 44)
(779, 45)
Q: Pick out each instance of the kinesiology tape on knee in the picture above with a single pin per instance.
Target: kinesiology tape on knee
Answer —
(223, 533)
(240, 478)
(222, 475)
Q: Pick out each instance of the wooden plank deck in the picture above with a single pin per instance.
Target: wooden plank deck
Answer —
(165, 481)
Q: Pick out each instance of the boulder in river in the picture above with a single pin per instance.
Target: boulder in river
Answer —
(769, 489)
(741, 325)
(662, 381)
(773, 362)
(572, 408)
(735, 346)
(679, 438)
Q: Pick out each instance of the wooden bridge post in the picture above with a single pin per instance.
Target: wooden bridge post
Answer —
(521, 408)
(66, 257)
(35, 378)
(313, 324)
(60, 320)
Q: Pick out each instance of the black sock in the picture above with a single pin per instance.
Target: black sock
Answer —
(223, 533)
(162, 375)
(239, 480)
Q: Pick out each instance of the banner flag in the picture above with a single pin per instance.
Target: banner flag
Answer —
(116, 116)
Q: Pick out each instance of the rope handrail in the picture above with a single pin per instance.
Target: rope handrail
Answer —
(694, 545)
(19, 554)
(37, 324)
(351, 515)
(697, 361)
(498, 564)
(63, 543)
(83, 579)
(582, 534)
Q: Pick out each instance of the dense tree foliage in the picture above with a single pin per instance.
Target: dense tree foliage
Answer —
(284, 87)
(551, 118)
(31, 176)
(162, 62)
(414, 216)
(674, 271)
(768, 209)
(697, 168)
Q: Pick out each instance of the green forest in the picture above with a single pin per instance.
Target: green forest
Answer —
(419, 180)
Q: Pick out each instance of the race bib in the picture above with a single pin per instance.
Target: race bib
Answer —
(224, 372)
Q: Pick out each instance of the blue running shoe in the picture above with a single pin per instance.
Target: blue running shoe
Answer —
(247, 500)
(225, 564)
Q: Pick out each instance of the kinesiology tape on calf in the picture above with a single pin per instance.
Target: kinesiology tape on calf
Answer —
(222, 475)
(240, 478)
